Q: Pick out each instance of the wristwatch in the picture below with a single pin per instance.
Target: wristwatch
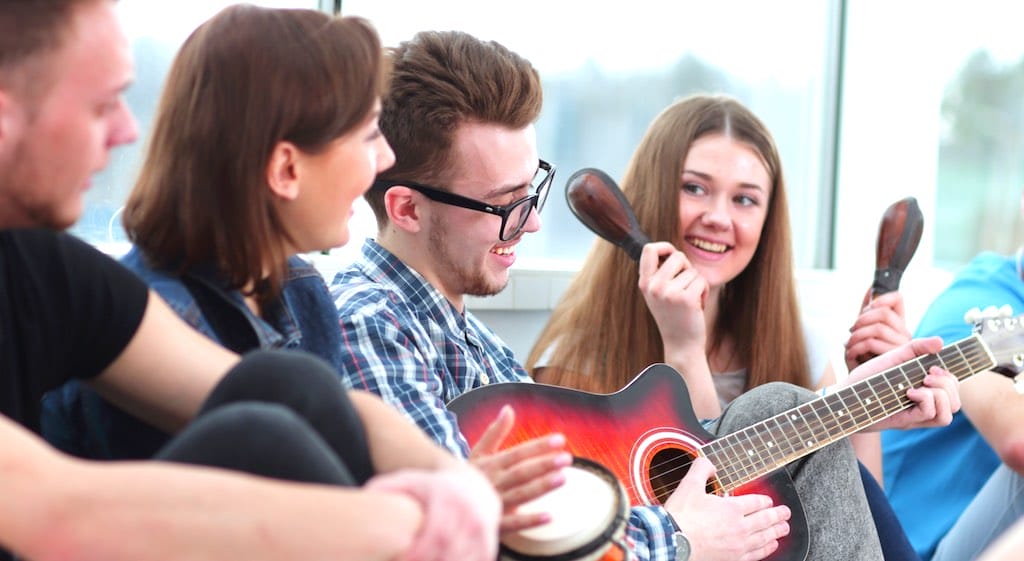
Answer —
(682, 543)
(682, 546)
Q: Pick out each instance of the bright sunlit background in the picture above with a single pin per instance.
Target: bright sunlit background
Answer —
(869, 101)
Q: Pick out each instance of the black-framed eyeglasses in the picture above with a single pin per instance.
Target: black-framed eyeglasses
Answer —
(513, 216)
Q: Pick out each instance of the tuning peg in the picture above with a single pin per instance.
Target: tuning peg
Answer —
(975, 315)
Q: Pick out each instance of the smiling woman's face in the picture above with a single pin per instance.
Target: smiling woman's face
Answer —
(723, 203)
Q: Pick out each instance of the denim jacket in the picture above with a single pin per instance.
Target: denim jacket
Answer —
(78, 421)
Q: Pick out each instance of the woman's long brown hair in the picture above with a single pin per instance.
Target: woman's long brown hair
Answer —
(601, 335)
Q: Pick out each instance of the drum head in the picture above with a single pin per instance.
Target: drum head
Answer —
(587, 508)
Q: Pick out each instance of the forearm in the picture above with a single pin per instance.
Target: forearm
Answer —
(868, 447)
(692, 364)
(395, 442)
(59, 508)
(995, 408)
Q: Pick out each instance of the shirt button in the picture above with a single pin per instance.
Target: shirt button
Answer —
(484, 378)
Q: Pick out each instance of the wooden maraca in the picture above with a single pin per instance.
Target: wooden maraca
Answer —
(596, 200)
(898, 236)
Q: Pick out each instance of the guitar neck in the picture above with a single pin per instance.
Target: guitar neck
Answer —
(774, 442)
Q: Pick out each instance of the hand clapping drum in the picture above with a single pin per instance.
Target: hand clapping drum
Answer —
(588, 520)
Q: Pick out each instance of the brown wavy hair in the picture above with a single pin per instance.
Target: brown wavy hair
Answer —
(441, 80)
(601, 334)
(245, 80)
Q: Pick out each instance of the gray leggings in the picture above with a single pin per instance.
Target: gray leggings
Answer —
(828, 481)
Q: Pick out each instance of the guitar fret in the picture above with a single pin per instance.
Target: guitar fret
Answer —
(819, 430)
(904, 385)
(769, 444)
(749, 453)
(767, 455)
(887, 402)
(837, 407)
(781, 437)
(895, 396)
(805, 432)
(961, 357)
(726, 473)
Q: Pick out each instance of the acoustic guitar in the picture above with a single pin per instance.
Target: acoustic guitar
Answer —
(647, 434)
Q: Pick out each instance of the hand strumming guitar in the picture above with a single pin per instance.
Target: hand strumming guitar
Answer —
(732, 528)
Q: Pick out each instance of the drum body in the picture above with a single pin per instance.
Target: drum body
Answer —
(588, 520)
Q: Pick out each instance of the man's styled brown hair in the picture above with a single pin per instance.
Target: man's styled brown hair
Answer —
(440, 80)
(243, 81)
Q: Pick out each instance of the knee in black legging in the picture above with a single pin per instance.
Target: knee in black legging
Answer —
(271, 375)
(258, 438)
(308, 386)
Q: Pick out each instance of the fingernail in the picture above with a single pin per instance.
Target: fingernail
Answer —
(562, 460)
(557, 440)
(556, 479)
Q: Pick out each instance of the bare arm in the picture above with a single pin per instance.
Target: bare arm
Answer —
(996, 409)
(395, 442)
(59, 508)
(167, 369)
(675, 293)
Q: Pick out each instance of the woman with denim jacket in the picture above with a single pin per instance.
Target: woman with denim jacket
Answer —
(265, 135)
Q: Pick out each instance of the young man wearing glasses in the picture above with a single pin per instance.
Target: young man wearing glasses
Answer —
(459, 116)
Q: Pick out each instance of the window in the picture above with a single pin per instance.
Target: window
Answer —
(609, 69)
(933, 110)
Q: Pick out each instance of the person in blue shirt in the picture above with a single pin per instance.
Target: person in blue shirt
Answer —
(932, 475)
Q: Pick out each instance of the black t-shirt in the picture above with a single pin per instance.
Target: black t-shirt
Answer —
(66, 311)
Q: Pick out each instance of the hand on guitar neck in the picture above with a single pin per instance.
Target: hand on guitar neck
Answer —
(881, 324)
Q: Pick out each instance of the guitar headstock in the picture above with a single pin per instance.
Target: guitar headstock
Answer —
(1004, 336)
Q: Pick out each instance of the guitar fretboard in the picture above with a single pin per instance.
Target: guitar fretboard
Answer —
(764, 447)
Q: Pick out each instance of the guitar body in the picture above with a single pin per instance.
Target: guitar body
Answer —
(646, 434)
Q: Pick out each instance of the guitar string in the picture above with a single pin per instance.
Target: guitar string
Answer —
(891, 402)
(748, 466)
(888, 400)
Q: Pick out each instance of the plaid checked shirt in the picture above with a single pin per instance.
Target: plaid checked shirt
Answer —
(404, 341)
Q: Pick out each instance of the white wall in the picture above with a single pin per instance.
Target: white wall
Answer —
(829, 300)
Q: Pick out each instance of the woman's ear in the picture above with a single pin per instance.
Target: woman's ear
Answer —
(403, 208)
(282, 170)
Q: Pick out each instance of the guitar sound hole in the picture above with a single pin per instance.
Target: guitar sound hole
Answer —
(668, 466)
